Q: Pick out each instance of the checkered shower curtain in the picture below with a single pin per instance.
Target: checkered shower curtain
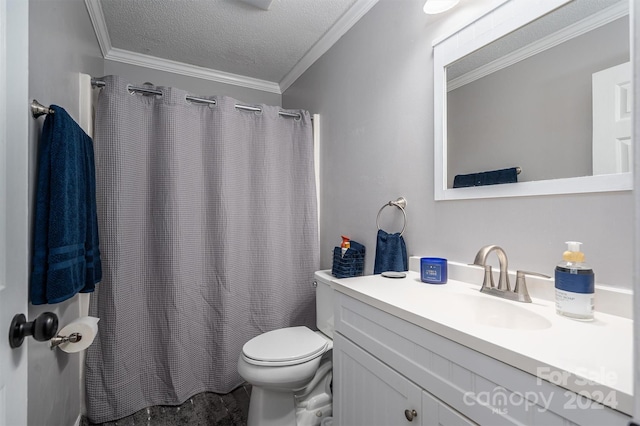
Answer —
(208, 230)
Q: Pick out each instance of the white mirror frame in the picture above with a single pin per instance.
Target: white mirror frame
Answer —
(502, 19)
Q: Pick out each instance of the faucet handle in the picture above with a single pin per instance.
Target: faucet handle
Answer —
(533, 274)
(521, 285)
(487, 282)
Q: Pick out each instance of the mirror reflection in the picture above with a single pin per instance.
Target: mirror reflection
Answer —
(551, 99)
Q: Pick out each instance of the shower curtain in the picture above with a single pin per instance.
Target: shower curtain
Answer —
(208, 229)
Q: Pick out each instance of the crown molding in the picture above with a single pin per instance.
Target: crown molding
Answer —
(99, 25)
(344, 24)
(592, 22)
(120, 55)
(127, 57)
(329, 39)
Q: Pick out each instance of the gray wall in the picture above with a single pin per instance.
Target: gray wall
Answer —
(62, 45)
(537, 113)
(374, 92)
(138, 75)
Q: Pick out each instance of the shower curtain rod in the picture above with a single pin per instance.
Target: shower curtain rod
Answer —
(99, 83)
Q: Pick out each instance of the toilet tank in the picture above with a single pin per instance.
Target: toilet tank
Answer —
(324, 302)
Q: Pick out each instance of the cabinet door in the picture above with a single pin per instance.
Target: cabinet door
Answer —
(437, 413)
(368, 392)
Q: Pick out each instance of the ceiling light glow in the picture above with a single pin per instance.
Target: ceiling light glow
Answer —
(431, 7)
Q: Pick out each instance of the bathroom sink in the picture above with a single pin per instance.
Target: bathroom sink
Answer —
(498, 313)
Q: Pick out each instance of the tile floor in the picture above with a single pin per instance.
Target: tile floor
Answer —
(204, 409)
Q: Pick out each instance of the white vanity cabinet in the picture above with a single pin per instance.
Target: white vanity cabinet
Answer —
(369, 393)
(386, 368)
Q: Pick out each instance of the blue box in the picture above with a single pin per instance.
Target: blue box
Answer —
(433, 270)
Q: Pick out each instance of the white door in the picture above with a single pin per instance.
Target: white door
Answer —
(14, 143)
(612, 100)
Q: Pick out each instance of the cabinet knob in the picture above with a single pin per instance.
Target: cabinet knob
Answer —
(410, 414)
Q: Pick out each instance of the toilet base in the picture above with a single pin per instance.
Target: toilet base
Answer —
(307, 407)
(317, 404)
(271, 408)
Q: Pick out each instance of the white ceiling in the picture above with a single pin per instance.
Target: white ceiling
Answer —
(229, 41)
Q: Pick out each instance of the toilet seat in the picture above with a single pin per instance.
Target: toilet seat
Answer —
(284, 346)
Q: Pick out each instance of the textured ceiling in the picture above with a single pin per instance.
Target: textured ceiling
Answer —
(223, 35)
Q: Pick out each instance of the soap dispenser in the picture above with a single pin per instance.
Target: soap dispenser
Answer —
(574, 282)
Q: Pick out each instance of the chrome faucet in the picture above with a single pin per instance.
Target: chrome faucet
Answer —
(481, 260)
(519, 293)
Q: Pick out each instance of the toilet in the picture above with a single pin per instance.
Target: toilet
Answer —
(290, 369)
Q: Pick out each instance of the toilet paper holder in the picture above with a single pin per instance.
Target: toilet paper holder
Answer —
(58, 340)
(76, 336)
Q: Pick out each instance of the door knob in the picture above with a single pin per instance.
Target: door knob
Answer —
(410, 414)
(42, 328)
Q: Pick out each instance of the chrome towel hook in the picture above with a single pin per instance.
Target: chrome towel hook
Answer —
(400, 203)
(37, 109)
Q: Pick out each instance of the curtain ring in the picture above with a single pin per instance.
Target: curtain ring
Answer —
(400, 203)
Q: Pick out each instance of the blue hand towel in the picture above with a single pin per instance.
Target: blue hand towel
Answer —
(66, 255)
(493, 177)
(391, 253)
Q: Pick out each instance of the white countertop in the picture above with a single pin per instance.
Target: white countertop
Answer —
(552, 347)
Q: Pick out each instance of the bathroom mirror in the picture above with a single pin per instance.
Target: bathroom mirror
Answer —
(533, 86)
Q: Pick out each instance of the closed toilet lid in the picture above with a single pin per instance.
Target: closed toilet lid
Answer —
(284, 346)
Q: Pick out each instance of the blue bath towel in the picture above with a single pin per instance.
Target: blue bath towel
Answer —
(66, 255)
(391, 253)
(493, 177)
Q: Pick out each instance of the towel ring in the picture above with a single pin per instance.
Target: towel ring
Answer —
(400, 203)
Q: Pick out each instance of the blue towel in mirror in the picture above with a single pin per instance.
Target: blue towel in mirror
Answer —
(391, 253)
(66, 254)
(493, 177)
